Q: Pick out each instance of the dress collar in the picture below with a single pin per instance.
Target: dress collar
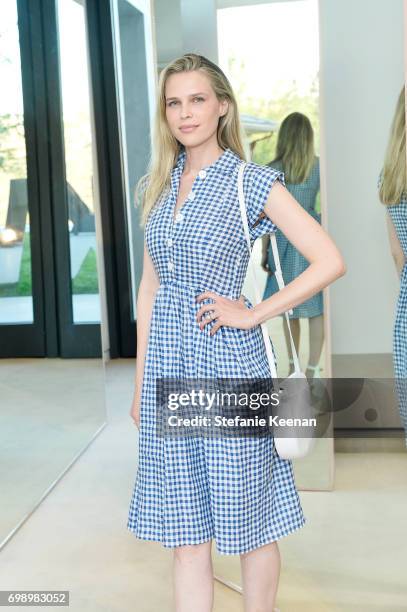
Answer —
(225, 164)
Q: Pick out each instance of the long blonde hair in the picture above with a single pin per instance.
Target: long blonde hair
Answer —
(166, 147)
(393, 177)
(295, 147)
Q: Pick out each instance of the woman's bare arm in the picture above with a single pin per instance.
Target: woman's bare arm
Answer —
(312, 241)
(395, 246)
(145, 298)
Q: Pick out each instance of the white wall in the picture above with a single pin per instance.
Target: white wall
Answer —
(185, 26)
(200, 32)
(168, 30)
(362, 73)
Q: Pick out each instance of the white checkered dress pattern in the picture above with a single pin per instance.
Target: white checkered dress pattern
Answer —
(235, 490)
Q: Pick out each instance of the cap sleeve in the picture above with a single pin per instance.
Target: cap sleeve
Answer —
(257, 183)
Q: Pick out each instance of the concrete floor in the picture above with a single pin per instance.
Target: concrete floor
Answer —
(349, 557)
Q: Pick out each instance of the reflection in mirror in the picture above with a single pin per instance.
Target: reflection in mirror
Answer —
(393, 194)
(278, 94)
(363, 72)
(295, 156)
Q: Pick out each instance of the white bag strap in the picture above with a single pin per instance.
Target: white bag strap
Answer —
(279, 277)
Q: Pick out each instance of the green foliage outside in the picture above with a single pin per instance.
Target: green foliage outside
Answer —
(283, 101)
(287, 99)
(85, 282)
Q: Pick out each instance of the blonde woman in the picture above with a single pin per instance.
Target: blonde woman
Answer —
(295, 156)
(393, 194)
(193, 322)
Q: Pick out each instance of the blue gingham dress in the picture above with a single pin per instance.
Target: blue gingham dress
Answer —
(292, 262)
(189, 490)
(398, 214)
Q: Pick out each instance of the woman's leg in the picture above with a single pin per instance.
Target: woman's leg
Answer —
(193, 577)
(295, 330)
(316, 341)
(260, 576)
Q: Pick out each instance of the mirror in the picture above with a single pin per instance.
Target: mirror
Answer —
(279, 104)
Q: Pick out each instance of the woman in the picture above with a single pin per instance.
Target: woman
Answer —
(295, 156)
(393, 194)
(193, 322)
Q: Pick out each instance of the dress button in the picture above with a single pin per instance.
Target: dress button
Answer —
(202, 174)
(191, 196)
(169, 242)
(170, 265)
(179, 217)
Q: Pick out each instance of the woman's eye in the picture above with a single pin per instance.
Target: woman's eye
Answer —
(199, 98)
(172, 102)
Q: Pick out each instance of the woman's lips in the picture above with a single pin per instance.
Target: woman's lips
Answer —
(188, 128)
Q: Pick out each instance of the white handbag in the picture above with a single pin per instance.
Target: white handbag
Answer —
(292, 447)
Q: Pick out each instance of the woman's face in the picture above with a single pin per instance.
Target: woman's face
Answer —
(192, 108)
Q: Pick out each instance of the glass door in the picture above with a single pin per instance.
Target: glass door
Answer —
(21, 298)
(78, 157)
(49, 257)
(73, 180)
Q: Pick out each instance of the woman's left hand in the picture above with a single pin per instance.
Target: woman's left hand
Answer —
(232, 313)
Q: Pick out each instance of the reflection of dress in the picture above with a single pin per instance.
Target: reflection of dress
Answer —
(192, 489)
(292, 262)
(398, 214)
